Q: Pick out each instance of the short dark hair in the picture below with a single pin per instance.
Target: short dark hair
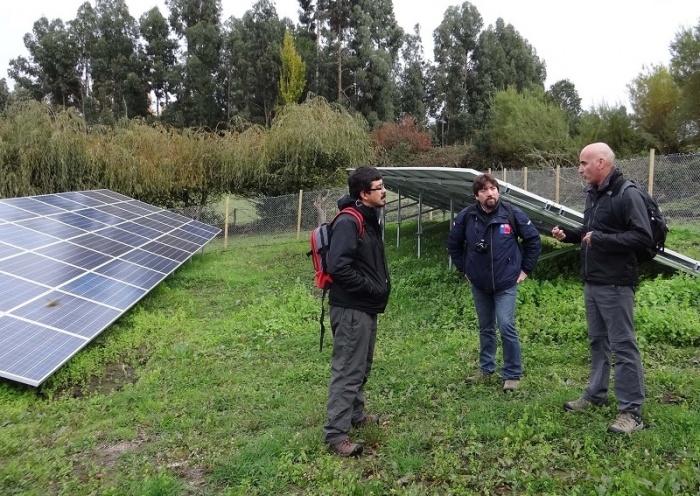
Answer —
(481, 180)
(361, 180)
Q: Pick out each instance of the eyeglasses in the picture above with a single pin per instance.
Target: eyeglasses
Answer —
(378, 188)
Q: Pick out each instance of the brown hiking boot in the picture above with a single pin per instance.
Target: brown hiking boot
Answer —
(480, 377)
(366, 420)
(346, 448)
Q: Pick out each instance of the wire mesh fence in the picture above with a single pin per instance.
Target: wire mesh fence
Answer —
(675, 185)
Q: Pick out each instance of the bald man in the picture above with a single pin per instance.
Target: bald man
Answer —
(614, 225)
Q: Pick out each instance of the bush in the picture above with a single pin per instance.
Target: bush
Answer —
(403, 138)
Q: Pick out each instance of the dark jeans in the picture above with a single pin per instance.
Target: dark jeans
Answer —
(610, 317)
(354, 335)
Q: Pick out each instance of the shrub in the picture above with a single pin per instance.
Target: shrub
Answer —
(404, 135)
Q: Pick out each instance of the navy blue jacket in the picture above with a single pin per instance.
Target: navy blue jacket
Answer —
(358, 265)
(498, 266)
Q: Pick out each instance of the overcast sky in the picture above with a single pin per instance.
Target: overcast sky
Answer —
(599, 45)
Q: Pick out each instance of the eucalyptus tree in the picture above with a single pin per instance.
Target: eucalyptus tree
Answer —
(412, 79)
(51, 69)
(4, 94)
(252, 52)
(655, 100)
(308, 40)
(564, 95)
(83, 30)
(455, 40)
(199, 102)
(118, 79)
(161, 55)
(335, 18)
(372, 53)
(292, 76)
(356, 45)
(501, 59)
(685, 68)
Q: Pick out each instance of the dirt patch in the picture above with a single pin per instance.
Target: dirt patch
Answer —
(116, 376)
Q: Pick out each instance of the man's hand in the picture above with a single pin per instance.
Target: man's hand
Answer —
(521, 277)
(558, 233)
(587, 238)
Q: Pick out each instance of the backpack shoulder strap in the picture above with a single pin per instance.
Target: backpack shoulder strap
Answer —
(358, 217)
(626, 184)
(617, 197)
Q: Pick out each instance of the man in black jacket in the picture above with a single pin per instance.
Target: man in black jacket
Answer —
(614, 225)
(359, 292)
(483, 244)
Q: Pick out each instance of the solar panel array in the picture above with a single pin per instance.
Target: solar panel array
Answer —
(72, 263)
(450, 188)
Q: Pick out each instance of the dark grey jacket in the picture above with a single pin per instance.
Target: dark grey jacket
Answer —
(620, 224)
(358, 265)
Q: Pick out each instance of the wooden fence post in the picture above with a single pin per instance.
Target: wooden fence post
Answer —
(525, 178)
(504, 175)
(301, 194)
(226, 222)
(650, 187)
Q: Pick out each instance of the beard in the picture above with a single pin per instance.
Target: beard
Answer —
(491, 202)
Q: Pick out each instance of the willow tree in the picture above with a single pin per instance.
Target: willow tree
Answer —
(43, 151)
(292, 77)
(309, 146)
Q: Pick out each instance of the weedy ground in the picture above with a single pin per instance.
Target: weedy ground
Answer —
(214, 384)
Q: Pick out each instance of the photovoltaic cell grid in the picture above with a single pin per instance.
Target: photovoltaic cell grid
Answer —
(73, 263)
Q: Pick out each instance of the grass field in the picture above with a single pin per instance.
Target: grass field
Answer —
(214, 384)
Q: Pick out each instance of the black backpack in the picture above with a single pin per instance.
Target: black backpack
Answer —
(659, 227)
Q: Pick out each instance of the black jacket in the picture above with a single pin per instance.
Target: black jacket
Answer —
(620, 224)
(497, 265)
(358, 265)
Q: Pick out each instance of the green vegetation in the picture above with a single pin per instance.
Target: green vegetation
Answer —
(186, 67)
(213, 384)
(309, 145)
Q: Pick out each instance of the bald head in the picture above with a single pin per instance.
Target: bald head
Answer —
(596, 162)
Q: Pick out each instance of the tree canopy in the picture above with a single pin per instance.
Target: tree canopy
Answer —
(187, 68)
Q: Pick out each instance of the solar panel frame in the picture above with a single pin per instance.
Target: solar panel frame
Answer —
(72, 263)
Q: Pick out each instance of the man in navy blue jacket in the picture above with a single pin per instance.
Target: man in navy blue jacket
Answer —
(483, 244)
